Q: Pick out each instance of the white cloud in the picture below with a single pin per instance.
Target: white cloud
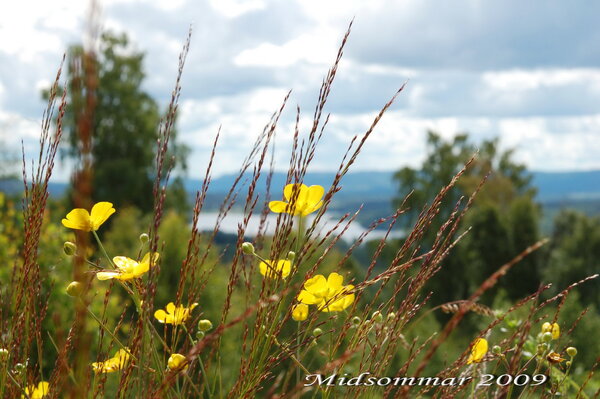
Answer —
(235, 8)
(317, 47)
(520, 80)
(534, 83)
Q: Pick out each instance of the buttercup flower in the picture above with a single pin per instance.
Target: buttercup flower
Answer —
(328, 294)
(115, 363)
(300, 312)
(308, 200)
(174, 315)
(38, 392)
(553, 328)
(81, 219)
(177, 362)
(128, 268)
(271, 269)
(479, 348)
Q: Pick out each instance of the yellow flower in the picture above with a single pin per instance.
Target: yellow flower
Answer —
(115, 363)
(328, 294)
(479, 348)
(38, 392)
(281, 269)
(177, 362)
(128, 268)
(553, 328)
(81, 219)
(300, 312)
(308, 200)
(174, 315)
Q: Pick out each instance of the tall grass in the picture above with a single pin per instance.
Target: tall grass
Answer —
(256, 347)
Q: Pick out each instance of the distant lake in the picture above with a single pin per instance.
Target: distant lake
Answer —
(229, 225)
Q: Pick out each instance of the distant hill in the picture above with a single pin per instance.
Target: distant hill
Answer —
(552, 186)
(376, 189)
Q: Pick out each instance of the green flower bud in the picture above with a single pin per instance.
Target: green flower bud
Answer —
(248, 248)
(3, 354)
(199, 335)
(572, 351)
(356, 320)
(496, 350)
(377, 317)
(547, 337)
(144, 238)
(391, 316)
(317, 331)
(75, 289)
(205, 325)
(69, 248)
(20, 367)
(291, 255)
(568, 363)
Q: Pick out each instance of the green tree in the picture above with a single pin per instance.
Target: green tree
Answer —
(574, 254)
(503, 218)
(124, 122)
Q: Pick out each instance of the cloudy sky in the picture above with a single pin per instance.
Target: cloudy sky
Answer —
(528, 72)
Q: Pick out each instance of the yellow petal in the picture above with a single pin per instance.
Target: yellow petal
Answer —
(335, 281)
(107, 275)
(285, 266)
(177, 361)
(161, 316)
(478, 350)
(555, 331)
(140, 269)
(278, 206)
(78, 219)
(288, 191)
(146, 258)
(100, 212)
(316, 285)
(273, 269)
(311, 208)
(308, 298)
(170, 308)
(124, 264)
(314, 194)
(300, 312)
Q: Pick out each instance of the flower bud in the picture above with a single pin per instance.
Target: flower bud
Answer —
(568, 363)
(391, 316)
(75, 289)
(291, 255)
(69, 248)
(248, 248)
(547, 337)
(572, 351)
(3, 354)
(496, 350)
(20, 367)
(199, 335)
(377, 317)
(317, 331)
(300, 312)
(144, 238)
(205, 325)
(356, 320)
